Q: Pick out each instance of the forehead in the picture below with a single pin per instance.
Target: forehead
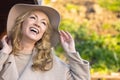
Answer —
(40, 14)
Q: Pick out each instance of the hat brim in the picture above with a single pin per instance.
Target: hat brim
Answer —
(52, 14)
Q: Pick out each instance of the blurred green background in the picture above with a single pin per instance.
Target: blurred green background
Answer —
(95, 26)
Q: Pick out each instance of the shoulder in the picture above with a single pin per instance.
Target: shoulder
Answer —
(59, 63)
(57, 60)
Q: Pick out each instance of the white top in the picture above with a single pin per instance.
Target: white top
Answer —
(22, 60)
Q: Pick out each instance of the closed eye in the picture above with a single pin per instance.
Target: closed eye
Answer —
(32, 17)
(44, 23)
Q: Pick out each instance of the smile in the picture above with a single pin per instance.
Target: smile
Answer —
(35, 30)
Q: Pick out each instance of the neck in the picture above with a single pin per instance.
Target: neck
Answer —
(27, 45)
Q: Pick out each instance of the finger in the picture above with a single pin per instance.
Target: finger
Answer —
(68, 34)
(64, 35)
(3, 41)
(4, 38)
(9, 42)
(61, 36)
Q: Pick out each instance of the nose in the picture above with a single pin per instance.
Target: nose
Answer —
(36, 24)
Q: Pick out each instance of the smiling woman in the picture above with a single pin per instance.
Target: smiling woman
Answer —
(34, 26)
(28, 47)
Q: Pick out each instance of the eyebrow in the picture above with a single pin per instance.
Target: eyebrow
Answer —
(41, 19)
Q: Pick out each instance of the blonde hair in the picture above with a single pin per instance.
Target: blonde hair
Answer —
(43, 59)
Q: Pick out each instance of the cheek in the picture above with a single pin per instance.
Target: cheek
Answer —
(24, 23)
(44, 28)
(42, 33)
(23, 27)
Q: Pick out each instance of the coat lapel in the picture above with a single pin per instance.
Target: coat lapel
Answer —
(10, 71)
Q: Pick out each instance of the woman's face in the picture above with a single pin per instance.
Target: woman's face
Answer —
(34, 26)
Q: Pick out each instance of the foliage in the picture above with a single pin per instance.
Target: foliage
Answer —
(113, 5)
(117, 26)
(47, 1)
(69, 25)
(102, 51)
(70, 6)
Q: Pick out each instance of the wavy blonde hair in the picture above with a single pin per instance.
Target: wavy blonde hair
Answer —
(43, 59)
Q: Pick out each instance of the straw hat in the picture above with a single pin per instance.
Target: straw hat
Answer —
(52, 14)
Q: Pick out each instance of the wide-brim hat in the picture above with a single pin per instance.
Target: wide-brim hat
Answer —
(52, 14)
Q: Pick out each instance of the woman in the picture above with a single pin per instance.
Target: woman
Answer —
(27, 53)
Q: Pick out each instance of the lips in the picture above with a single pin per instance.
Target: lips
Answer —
(35, 30)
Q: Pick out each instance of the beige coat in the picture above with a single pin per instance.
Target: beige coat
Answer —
(78, 69)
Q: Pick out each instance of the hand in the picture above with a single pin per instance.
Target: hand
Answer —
(7, 47)
(67, 41)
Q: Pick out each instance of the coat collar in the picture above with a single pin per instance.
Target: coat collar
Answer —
(10, 69)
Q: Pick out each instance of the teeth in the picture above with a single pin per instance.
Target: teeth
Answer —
(34, 30)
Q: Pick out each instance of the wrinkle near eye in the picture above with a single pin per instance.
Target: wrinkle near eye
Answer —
(32, 17)
(44, 23)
